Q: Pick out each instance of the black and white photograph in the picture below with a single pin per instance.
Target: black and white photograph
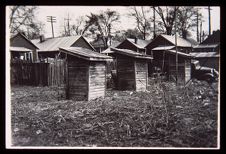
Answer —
(112, 77)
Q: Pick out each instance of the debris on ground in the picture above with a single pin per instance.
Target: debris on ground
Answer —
(164, 116)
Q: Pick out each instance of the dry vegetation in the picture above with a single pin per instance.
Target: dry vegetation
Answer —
(164, 116)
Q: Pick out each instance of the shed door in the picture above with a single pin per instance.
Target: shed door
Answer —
(141, 75)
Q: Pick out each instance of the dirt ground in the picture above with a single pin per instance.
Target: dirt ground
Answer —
(164, 116)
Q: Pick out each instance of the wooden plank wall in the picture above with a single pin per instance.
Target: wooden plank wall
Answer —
(125, 73)
(56, 73)
(77, 78)
(97, 79)
(141, 69)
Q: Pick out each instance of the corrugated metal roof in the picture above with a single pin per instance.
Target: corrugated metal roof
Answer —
(53, 44)
(204, 54)
(130, 53)
(180, 41)
(85, 53)
(20, 49)
(163, 48)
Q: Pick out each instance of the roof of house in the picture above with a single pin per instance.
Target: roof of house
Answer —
(19, 49)
(140, 43)
(53, 44)
(204, 54)
(131, 53)
(180, 41)
(163, 48)
(85, 54)
(207, 46)
(24, 38)
(171, 50)
(213, 38)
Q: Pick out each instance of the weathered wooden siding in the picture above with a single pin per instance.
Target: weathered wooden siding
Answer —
(77, 78)
(184, 70)
(97, 79)
(125, 73)
(82, 43)
(141, 75)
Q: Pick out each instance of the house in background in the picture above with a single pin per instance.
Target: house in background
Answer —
(208, 52)
(49, 47)
(163, 43)
(134, 44)
(22, 48)
(163, 40)
(165, 58)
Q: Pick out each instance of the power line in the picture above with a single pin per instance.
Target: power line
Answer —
(52, 20)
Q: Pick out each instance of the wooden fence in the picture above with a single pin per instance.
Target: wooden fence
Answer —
(38, 74)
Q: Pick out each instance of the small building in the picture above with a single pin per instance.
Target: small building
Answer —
(208, 52)
(49, 47)
(165, 58)
(131, 69)
(86, 71)
(22, 48)
(134, 44)
(163, 40)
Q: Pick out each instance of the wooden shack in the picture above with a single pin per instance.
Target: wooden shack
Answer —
(165, 59)
(132, 69)
(86, 73)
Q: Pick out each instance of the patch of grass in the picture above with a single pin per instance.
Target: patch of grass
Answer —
(163, 116)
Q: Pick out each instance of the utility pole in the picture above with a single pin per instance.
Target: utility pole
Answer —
(197, 18)
(176, 47)
(154, 34)
(52, 20)
(209, 14)
(68, 25)
(200, 36)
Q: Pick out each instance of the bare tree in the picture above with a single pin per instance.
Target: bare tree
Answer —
(167, 16)
(142, 19)
(22, 19)
(186, 20)
(101, 25)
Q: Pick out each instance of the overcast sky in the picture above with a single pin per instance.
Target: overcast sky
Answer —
(61, 12)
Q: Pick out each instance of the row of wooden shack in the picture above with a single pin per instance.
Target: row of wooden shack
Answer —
(135, 60)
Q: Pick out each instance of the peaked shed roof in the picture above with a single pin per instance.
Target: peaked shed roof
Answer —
(53, 44)
(85, 54)
(131, 53)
